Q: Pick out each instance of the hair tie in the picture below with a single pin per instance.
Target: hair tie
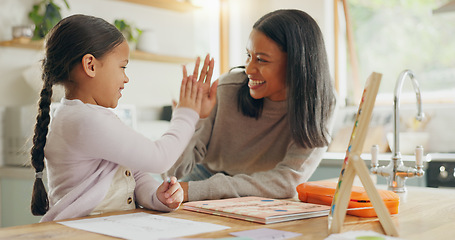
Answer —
(39, 175)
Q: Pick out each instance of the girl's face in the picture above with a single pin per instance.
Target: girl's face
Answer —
(265, 67)
(111, 76)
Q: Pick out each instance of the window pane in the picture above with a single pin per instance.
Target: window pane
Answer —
(392, 36)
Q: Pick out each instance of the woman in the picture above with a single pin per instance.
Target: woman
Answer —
(269, 128)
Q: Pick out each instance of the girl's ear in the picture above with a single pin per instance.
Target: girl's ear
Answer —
(88, 64)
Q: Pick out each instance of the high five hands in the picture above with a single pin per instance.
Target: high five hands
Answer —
(199, 94)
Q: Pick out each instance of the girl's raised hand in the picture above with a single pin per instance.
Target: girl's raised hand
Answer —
(190, 93)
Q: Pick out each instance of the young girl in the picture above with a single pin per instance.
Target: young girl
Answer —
(95, 163)
(270, 125)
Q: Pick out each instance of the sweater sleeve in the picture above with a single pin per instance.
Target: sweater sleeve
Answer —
(197, 148)
(297, 167)
(145, 192)
(110, 139)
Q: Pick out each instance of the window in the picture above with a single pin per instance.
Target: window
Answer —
(391, 36)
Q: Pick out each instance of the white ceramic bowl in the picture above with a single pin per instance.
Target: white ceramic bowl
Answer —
(409, 141)
(23, 31)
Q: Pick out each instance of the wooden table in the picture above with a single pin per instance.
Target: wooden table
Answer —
(424, 213)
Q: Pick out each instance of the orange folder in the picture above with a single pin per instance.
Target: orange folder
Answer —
(321, 192)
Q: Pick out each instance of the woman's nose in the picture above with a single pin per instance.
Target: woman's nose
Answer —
(250, 68)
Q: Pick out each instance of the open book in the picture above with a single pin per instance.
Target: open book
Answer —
(258, 209)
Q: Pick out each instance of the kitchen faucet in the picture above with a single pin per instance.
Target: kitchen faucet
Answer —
(396, 173)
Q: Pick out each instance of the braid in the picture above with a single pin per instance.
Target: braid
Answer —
(40, 202)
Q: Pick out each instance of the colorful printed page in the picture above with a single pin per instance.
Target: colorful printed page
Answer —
(258, 209)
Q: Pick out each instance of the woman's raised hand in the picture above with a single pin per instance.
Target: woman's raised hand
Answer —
(205, 78)
(205, 91)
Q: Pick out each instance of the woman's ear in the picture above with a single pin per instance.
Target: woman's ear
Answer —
(88, 64)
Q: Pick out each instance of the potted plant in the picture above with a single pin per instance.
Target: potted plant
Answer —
(130, 32)
(45, 15)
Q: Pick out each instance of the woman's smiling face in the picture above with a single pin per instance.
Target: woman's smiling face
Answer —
(265, 67)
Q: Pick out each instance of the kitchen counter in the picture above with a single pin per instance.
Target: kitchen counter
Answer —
(336, 158)
(16, 172)
(328, 159)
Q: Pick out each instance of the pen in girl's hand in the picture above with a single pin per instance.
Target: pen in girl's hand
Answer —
(170, 182)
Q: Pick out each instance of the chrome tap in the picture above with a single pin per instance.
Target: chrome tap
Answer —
(396, 173)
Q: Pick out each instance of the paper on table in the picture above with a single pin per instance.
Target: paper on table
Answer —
(266, 234)
(139, 226)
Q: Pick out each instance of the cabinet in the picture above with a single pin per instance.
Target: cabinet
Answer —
(16, 184)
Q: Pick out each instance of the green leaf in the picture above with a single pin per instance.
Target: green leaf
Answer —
(47, 20)
(66, 3)
(131, 33)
